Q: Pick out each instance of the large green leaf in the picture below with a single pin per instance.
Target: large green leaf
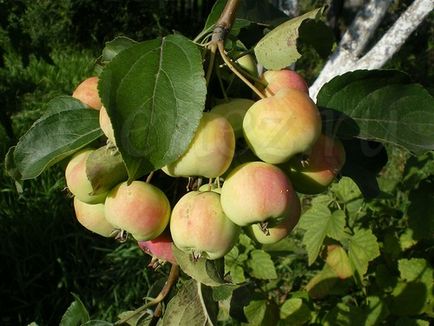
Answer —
(278, 48)
(261, 265)
(192, 305)
(67, 126)
(76, 314)
(208, 272)
(319, 222)
(363, 247)
(379, 105)
(154, 93)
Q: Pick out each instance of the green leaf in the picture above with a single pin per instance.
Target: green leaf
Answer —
(115, 46)
(261, 313)
(417, 168)
(343, 314)
(376, 311)
(319, 222)
(10, 166)
(234, 265)
(66, 127)
(420, 212)
(223, 292)
(278, 48)
(214, 15)
(322, 283)
(381, 105)
(255, 311)
(261, 265)
(295, 312)
(154, 93)
(418, 276)
(363, 247)
(208, 272)
(346, 190)
(76, 314)
(192, 305)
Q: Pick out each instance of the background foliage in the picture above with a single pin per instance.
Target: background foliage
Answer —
(47, 47)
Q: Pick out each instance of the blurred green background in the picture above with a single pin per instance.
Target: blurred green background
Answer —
(46, 49)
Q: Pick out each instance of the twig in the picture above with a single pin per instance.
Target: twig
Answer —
(347, 55)
(171, 280)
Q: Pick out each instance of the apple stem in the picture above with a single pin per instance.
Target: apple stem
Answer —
(264, 228)
(230, 65)
(171, 280)
(121, 236)
(149, 177)
(213, 50)
(195, 255)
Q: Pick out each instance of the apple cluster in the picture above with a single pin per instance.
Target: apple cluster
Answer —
(260, 154)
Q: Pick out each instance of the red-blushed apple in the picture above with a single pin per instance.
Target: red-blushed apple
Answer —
(278, 127)
(87, 92)
(77, 180)
(210, 152)
(234, 111)
(281, 79)
(314, 173)
(92, 217)
(200, 227)
(257, 192)
(159, 248)
(279, 231)
(106, 125)
(140, 208)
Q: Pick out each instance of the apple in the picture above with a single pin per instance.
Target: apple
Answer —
(234, 111)
(92, 217)
(281, 79)
(278, 127)
(200, 227)
(248, 63)
(77, 180)
(279, 231)
(314, 173)
(159, 248)
(210, 152)
(87, 92)
(257, 192)
(139, 208)
(106, 125)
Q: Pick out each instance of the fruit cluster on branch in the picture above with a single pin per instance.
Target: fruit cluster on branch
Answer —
(258, 154)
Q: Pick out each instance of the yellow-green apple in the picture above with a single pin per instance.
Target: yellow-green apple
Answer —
(87, 92)
(258, 192)
(247, 62)
(139, 208)
(280, 79)
(234, 111)
(200, 227)
(210, 152)
(92, 217)
(106, 125)
(281, 126)
(279, 231)
(312, 174)
(159, 248)
(77, 180)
